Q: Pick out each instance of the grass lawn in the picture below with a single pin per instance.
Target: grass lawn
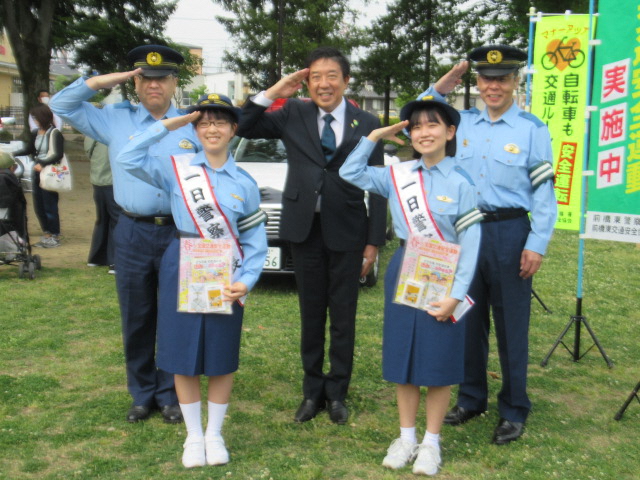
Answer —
(63, 396)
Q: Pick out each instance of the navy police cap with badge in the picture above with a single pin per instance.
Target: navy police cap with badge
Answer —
(215, 101)
(155, 60)
(497, 60)
(429, 100)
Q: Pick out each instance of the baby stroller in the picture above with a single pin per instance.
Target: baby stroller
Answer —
(15, 248)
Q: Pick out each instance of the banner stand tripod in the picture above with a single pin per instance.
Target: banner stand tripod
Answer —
(537, 297)
(578, 320)
(634, 394)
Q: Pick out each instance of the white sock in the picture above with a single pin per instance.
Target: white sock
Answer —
(408, 434)
(217, 411)
(191, 415)
(432, 439)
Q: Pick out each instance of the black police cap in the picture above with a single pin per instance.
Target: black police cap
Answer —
(426, 101)
(497, 60)
(215, 101)
(155, 60)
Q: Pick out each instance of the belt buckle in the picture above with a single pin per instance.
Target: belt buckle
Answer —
(159, 221)
(490, 216)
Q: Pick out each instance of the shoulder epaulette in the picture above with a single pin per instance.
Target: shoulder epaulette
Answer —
(125, 105)
(246, 174)
(532, 118)
(464, 173)
(472, 110)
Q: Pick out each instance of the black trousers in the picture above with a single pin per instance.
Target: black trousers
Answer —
(327, 282)
(107, 213)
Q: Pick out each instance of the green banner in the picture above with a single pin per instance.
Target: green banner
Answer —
(559, 98)
(613, 204)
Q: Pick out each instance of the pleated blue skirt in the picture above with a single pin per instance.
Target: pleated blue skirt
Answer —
(193, 343)
(416, 348)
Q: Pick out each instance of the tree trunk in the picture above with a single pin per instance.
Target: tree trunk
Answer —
(29, 31)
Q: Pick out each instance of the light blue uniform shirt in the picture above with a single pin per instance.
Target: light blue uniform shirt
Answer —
(236, 192)
(498, 156)
(449, 193)
(113, 125)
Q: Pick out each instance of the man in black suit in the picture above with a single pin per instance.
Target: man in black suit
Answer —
(323, 217)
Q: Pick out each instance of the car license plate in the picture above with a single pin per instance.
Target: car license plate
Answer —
(272, 262)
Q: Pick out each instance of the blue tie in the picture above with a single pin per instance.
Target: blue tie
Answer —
(328, 139)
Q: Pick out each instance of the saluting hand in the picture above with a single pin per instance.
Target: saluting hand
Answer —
(174, 123)
(287, 86)
(110, 80)
(451, 79)
(389, 133)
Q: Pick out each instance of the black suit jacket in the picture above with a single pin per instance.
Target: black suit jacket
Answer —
(346, 226)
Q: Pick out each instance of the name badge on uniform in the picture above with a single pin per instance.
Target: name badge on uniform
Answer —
(512, 148)
(186, 144)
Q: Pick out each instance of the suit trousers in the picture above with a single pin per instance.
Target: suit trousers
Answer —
(107, 213)
(497, 288)
(139, 250)
(326, 280)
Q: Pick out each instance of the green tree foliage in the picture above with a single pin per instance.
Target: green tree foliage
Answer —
(407, 44)
(100, 31)
(273, 37)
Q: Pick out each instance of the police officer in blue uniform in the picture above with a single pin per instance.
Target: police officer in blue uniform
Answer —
(507, 152)
(146, 226)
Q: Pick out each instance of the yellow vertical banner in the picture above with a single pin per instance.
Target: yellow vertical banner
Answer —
(559, 98)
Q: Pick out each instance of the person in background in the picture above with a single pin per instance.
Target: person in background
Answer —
(44, 97)
(107, 210)
(433, 198)
(211, 198)
(324, 218)
(145, 227)
(46, 147)
(507, 152)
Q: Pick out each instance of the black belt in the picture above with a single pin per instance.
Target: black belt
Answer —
(160, 220)
(503, 214)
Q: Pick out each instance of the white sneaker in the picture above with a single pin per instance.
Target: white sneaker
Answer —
(193, 455)
(217, 453)
(428, 460)
(399, 453)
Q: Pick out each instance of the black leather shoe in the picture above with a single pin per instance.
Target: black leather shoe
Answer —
(307, 410)
(338, 412)
(507, 431)
(171, 414)
(458, 415)
(137, 413)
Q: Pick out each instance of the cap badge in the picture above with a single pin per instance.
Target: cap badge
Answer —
(494, 56)
(186, 144)
(512, 148)
(154, 59)
(214, 96)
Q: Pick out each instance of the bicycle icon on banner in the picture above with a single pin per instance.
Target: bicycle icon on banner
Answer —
(563, 54)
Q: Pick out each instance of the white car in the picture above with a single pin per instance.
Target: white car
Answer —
(266, 162)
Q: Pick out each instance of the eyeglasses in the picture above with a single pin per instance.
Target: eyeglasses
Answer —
(216, 123)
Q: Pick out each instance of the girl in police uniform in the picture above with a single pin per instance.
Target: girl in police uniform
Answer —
(190, 344)
(422, 348)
